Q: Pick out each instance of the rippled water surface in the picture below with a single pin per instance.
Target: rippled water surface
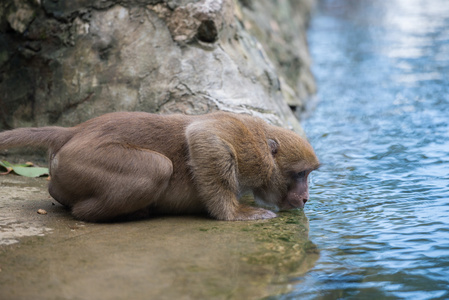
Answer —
(379, 208)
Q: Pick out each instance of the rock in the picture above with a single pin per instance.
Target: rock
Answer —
(41, 211)
(281, 27)
(64, 62)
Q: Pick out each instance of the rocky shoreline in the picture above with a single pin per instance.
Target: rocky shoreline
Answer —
(63, 62)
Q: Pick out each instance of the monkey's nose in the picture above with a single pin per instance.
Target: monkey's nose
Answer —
(304, 201)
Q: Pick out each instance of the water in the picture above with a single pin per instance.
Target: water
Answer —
(379, 208)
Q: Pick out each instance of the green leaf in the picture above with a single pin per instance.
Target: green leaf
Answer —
(30, 171)
(5, 167)
(5, 164)
(26, 170)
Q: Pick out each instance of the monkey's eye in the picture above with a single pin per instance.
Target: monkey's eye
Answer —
(300, 175)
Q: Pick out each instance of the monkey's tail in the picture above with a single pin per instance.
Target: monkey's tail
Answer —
(47, 137)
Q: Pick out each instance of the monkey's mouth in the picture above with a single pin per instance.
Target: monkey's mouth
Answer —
(291, 204)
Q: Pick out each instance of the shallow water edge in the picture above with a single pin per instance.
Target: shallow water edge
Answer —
(54, 256)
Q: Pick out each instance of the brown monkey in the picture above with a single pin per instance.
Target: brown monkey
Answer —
(126, 163)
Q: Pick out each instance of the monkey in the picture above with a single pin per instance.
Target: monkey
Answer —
(132, 163)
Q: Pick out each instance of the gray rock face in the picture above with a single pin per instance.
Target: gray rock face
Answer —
(64, 62)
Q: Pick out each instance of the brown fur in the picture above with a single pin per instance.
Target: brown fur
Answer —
(125, 163)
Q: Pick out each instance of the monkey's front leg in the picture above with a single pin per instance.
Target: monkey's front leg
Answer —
(221, 200)
(215, 172)
(223, 204)
(245, 212)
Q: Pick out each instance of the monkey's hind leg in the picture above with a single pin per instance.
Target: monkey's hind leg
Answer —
(115, 180)
(214, 164)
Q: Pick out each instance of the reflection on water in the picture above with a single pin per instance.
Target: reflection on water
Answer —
(379, 208)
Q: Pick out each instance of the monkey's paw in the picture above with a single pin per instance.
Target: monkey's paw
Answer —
(245, 213)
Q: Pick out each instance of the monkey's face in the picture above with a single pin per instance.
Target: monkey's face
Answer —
(294, 159)
(297, 191)
(286, 190)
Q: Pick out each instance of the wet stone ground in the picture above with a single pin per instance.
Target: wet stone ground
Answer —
(53, 256)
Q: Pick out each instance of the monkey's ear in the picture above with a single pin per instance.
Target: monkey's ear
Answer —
(273, 146)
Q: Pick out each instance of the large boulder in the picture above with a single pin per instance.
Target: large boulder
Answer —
(65, 61)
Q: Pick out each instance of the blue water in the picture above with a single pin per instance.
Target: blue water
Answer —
(379, 208)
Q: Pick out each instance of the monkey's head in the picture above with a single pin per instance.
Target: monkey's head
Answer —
(293, 159)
